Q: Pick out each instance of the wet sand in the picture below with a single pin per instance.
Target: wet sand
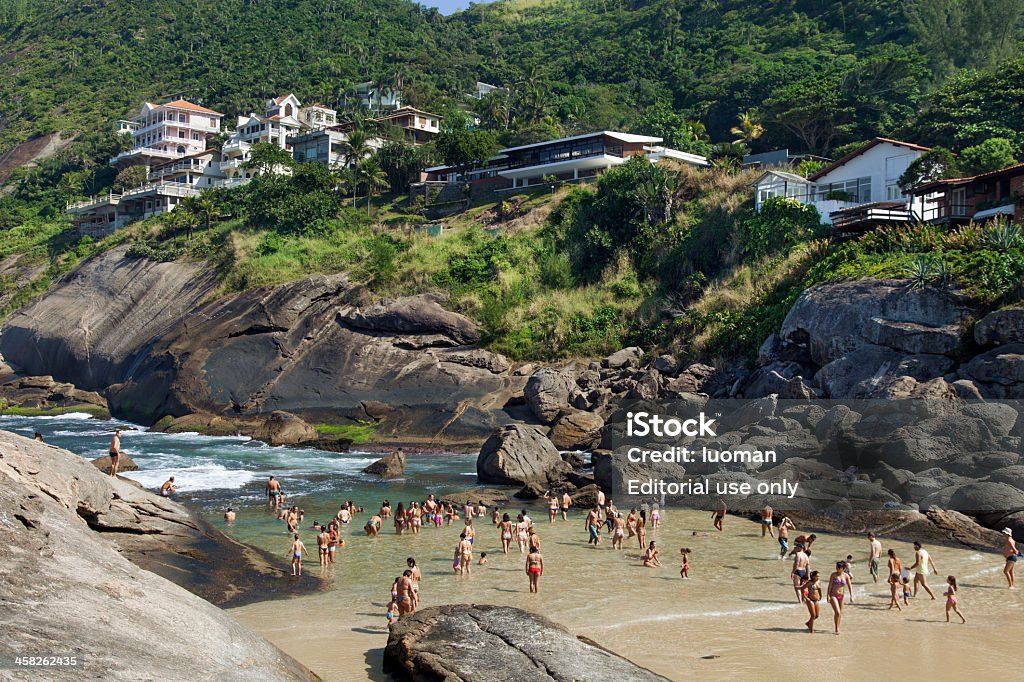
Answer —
(736, 617)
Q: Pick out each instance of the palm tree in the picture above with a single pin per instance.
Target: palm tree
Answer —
(207, 208)
(355, 149)
(375, 178)
(749, 129)
(187, 215)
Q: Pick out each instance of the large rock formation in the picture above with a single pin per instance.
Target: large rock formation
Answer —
(463, 643)
(284, 428)
(45, 393)
(388, 466)
(78, 593)
(91, 327)
(519, 454)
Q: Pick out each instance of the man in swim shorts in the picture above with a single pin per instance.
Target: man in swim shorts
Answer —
(801, 566)
(785, 525)
(874, 555)
(1010, 553)
(593, 526)
(566, 503)
(273, 490)
(922, 560)
(168, 488)
(766, 521)
(296, 552)
(115, 452)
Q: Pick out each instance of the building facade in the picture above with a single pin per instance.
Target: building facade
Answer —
(161, 132)
(978, 198)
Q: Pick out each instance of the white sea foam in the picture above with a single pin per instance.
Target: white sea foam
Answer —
(74, 416)
(193, 478)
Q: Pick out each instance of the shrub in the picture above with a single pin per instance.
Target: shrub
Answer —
(780, 224)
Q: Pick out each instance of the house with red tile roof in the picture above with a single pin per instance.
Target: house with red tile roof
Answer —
(163, 132)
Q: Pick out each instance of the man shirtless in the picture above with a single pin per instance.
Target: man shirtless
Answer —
(333, 539)
(785, 525)
(115, 452)
(766, 521)
(718, 516)
(801, 569)
(168, 488)
(229, 515)
(1010, 553)
(593, 526)
(874, 555)
(296, 552)
(273, 492)
(566, 503)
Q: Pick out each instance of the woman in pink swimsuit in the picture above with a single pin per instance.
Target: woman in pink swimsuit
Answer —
(837, 584)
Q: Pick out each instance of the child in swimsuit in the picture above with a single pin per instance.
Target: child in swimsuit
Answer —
(393, 611)
(906, 590)
(684, 571)
(951, 599)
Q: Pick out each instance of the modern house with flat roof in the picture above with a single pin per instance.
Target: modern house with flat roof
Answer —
(161, 132)
(858, 191)
(999, 193)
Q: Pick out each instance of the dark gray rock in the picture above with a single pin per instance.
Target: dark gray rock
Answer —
(547, 392)
(388, 466)
(627, 357)
(463, 643)
(518, 454)
(666, 364)
(1000, 327)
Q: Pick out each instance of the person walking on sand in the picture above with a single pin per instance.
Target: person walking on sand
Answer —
(465, 552)
(766, 521)
(801, 567)
(115, 452)
(811, 590)
(874, 555)
(566, 503)
(951, 599)
(785, 525)
(718, 516)
(296, 552)
(837, 584)
(534, 569)
(505, 531)
(922, 560)
(1010, 553)
(895, 569)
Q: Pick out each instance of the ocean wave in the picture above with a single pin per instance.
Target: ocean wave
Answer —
(193, 478)
(71, 416)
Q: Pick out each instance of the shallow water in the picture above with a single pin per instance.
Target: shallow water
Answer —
(736, 617)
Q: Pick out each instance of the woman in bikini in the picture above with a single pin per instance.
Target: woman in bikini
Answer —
(400, 519)
(631, 523)
(655, 516)
(534, 568)
(641, 528)
(837, 584)
(811, 589)
(650, 557)
(895, 571)
(552, 505)
(522, 532)
(505, 532)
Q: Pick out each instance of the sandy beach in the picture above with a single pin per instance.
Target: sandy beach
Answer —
(736, 617)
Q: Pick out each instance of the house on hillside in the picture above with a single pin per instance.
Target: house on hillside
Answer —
(482, 90)
(976, 198)
(568, 159)
(779, 158)
(327, 145)
(859, 191)
(377, 96)
(419, 126)
(161, 132)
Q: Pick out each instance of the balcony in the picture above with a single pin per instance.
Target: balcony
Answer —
(167, 189)
(866, 216)
(92, 203)
(145, 152)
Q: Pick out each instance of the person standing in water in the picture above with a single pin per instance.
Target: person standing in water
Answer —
(801, 566)
(522, 533)
(1010, 553)
(372, 526)
(407, 600)
(505, 531)
(322, 540)
(874, 555)
(465, 553)
(593, 526)
(641, 528)
(719, 515)
(837, 584)
(400, 519)
(534, 569)
(552, 499)
(785, 525)
(766, 521)
(951, 599)
(415, 575)
(922, 560)
(273, 488)
(684, 570)
(811, 589)
(229, 516)
(618, 531)
(296, 552)
(115, 452)
(566, 503)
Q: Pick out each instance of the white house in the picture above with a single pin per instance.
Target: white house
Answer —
(860, 189)
(161, 132)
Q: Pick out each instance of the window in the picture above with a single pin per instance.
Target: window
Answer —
(893, 193)
(958, 202)
(213, 123)
(858, 191)
(182, 118)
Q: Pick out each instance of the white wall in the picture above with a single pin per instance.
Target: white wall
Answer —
(884, 164)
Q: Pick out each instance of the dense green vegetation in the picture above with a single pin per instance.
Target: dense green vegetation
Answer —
(647, 255)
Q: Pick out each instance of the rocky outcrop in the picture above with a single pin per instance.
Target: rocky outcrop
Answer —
(206, 424)
(45, 393)
(547, 392)
(388, 466)
(68, 532)
(124, 463)
(1000, 327)
(92, 326)
(284, 428)
(462, 643)
(519, 454)
(577, 431)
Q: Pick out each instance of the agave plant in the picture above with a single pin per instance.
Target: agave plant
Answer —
(1001, 235)
(924, 271)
